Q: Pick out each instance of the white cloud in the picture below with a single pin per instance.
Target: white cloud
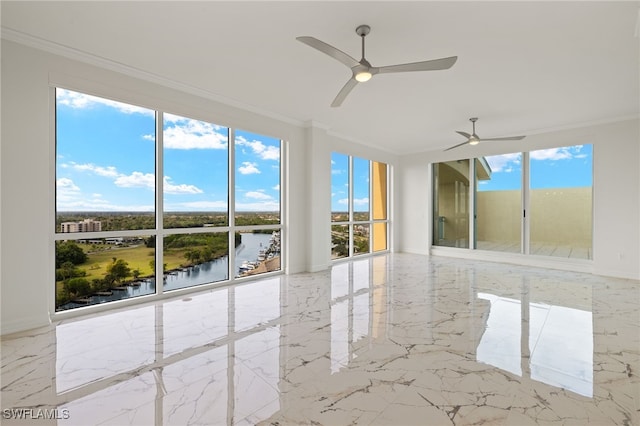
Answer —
(360, 201)
(564, 153)
(276, 188)
(197, 205)
(258, 195)
(248, 168)
(265, 152)
(66, 190)
(108, 171)
(266, 206)
(171, 188)
(69, 197)
(503, 163)
(136, 180)
(66, 184)
(193, 134)
(99, 205)
(81, 101)
(344, 201)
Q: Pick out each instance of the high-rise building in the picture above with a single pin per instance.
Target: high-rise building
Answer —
(87, 225)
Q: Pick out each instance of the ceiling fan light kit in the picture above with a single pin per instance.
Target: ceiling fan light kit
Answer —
(474, 139)
(362, 70)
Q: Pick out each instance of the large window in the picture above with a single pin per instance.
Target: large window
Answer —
(359, 206)
(208, 211)
(551, 216)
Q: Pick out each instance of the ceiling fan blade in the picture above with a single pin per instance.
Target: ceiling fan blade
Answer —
(346, 89)
(329, 50)
(465, 134)
(433, 65)
(510, 138)
(455, 146)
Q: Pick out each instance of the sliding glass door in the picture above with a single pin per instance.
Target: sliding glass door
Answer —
(561, 210)
(537, 202)
(451, 204)
(499, 203)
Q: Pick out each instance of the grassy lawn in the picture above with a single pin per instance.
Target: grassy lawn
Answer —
(138, 257)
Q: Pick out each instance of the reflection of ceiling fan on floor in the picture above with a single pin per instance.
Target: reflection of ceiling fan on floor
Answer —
(362, 70)
(473, 139)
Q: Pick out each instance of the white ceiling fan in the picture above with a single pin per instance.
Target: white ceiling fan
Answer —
(474, 139)
(362, 70)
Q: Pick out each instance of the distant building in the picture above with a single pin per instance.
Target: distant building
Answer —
(87, 225)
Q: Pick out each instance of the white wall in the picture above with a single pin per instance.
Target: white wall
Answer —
(27, 168)
(616, 192)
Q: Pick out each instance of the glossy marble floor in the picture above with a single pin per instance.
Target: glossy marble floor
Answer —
(389, 340)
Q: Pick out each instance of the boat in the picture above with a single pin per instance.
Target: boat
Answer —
(246, 267)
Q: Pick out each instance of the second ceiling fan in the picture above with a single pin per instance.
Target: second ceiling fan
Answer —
(473, 139)
(362, 70)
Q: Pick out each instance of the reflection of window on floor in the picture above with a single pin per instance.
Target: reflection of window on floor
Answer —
(359, 216)
(504, 343)
(350, 310)
(167, 363)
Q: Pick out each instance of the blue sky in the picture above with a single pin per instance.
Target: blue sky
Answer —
(105, 160)
(562, 167)
(340, 183)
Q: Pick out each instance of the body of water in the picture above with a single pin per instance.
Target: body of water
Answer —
(208, 272)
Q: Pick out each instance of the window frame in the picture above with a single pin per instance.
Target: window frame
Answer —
(370, 222)
(159, 232)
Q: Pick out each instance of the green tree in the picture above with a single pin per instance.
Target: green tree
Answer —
(98, 284)
(77, 287)
(118, 270)
(69, 251)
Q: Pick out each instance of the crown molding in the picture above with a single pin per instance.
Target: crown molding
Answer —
(108, 64)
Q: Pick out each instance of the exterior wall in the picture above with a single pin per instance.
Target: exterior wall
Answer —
(553, 214)
(561, 216)
(498, 215)
(379, 205)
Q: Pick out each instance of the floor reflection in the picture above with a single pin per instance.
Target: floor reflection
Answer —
(559, 347)
(389, 339)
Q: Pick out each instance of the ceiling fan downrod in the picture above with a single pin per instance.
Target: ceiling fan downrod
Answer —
(362, 31)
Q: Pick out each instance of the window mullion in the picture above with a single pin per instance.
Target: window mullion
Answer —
(526, 212)
(231, 207)
(159, 254)
(350, 202)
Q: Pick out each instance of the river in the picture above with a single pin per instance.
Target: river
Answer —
(208, 272)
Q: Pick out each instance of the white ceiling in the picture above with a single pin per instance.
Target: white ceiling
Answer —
(523, 67)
